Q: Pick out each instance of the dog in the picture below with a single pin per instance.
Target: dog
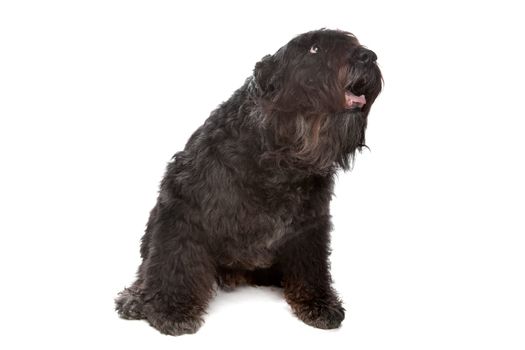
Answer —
(247, 200)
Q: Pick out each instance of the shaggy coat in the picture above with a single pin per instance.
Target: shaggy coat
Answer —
(248, 199)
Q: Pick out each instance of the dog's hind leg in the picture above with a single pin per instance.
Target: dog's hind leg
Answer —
(178, 277)
(175, 280)
(130, 302)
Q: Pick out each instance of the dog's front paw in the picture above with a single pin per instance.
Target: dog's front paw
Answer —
(320, 313)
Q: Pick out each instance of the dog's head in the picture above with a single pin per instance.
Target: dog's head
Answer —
(316, 93)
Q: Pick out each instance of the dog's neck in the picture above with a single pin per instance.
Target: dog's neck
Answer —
(316, 144)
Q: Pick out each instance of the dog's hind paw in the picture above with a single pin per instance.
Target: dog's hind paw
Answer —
(129, 304)
(173, 325)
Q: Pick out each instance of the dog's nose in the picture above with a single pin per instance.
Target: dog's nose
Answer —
(366, 56)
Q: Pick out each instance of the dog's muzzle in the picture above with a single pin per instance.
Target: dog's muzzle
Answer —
(353, 101)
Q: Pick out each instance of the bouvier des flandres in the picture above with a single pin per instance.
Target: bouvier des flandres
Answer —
(248, 199)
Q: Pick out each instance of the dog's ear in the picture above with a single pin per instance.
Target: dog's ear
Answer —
(265, 75)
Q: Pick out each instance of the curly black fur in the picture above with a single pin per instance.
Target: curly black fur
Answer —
(247, 200)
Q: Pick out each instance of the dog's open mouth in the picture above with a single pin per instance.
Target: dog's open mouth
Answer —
(354, 101)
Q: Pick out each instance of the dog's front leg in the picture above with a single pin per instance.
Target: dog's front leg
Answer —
(306, 277)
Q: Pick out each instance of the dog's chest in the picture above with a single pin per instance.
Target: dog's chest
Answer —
(261, 226)
(257, 247)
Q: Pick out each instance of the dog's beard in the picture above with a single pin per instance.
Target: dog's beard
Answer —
(350, 131)
(318, 143)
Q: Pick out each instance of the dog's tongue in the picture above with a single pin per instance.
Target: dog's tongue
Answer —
(353, 101)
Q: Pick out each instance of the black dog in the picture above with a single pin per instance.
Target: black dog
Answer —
(247, 201)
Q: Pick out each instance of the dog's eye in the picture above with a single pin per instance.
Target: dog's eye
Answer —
(314, 48)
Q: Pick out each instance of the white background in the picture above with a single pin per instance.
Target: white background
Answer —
(96, 96)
